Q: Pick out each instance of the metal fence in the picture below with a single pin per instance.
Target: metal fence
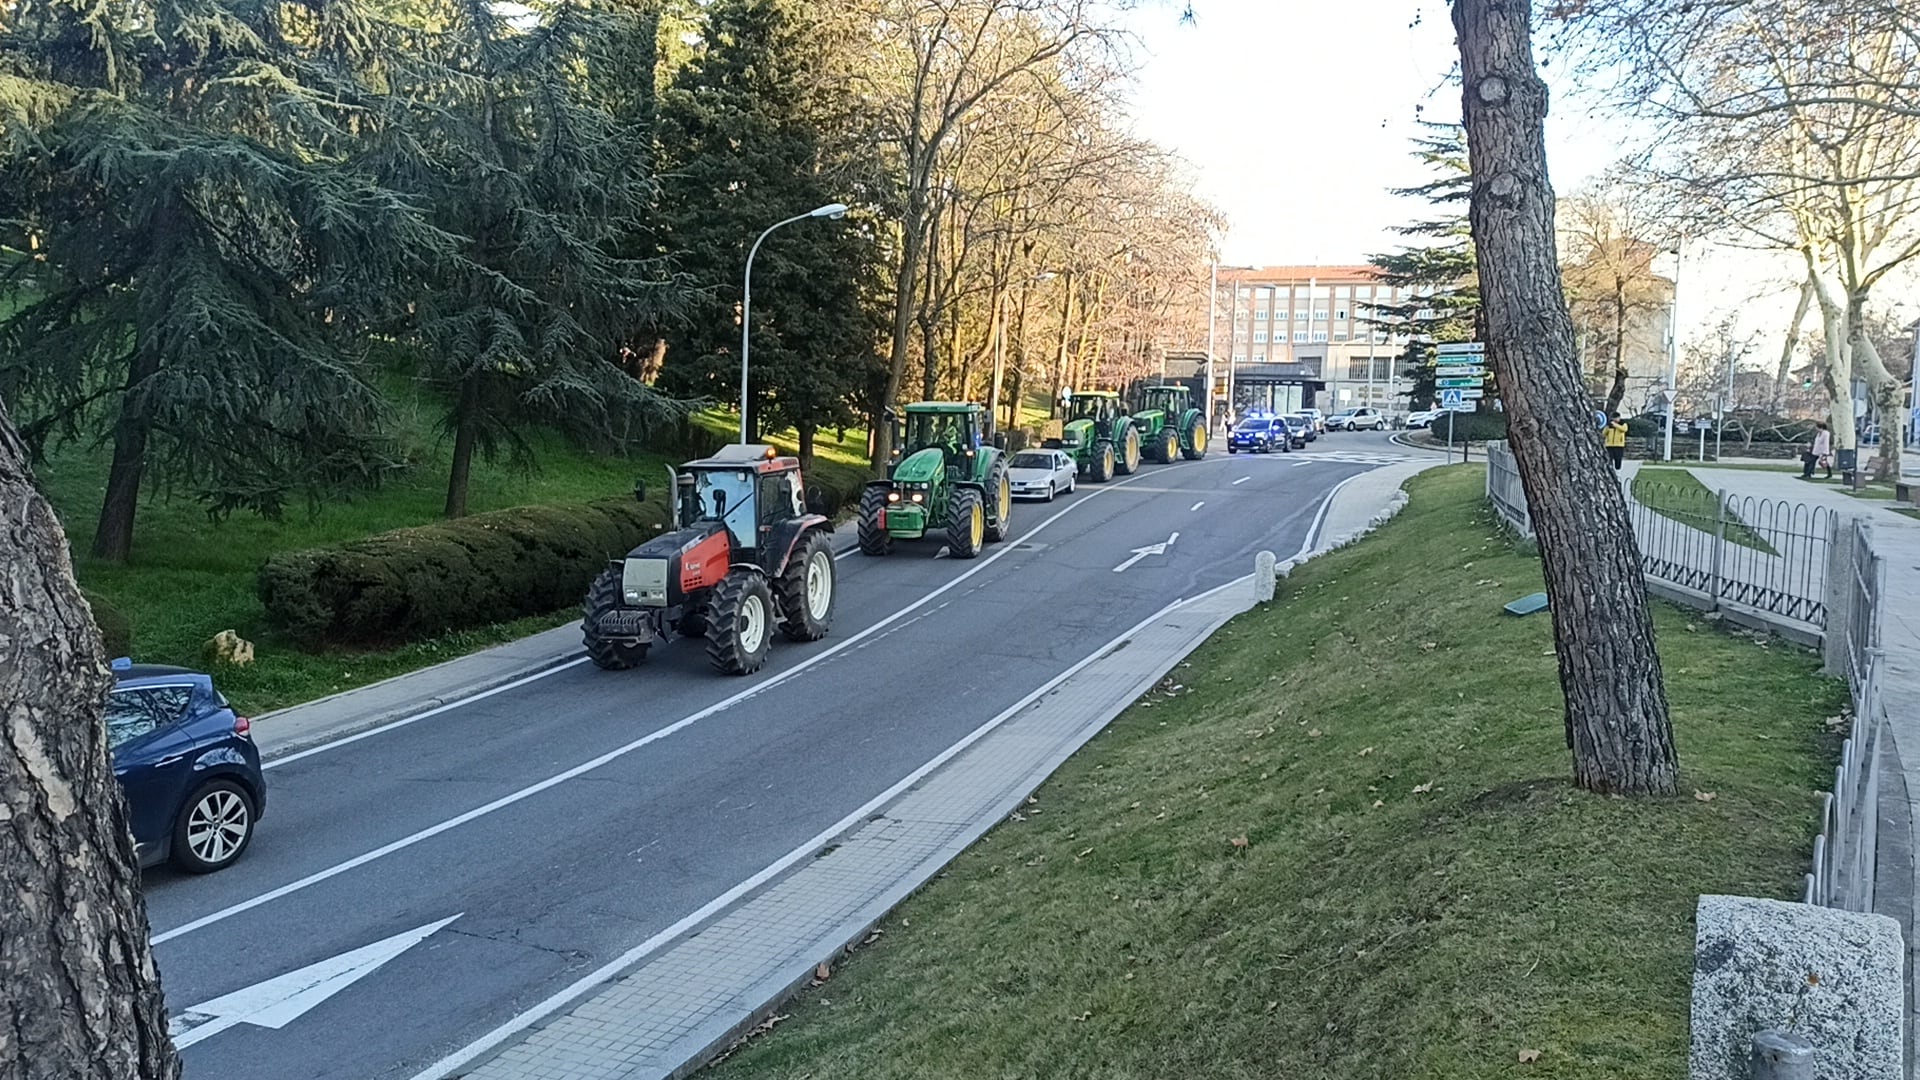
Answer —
(1844, 852)
(1504, 491)
(1767, 555)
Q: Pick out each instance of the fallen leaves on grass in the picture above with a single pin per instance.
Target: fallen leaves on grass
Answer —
(1422, 789)
(1703, 796)
(822, 974)
(1528, 1057)
(1240, 841)
(1366, 751)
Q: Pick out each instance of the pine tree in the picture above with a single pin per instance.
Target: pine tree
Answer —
(196, 252)
(497, 128)
(1444, 301)
(755, 130)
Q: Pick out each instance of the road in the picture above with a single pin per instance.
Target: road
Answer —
(562, 822)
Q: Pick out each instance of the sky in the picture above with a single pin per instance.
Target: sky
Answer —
(1297, 114)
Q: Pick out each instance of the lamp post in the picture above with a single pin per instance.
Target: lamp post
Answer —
(1213, 301)
(1000, 346)
(831, 210)
(1673, 348)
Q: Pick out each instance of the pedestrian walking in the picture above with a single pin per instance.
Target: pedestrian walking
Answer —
(1820, 453)
(1616, 436)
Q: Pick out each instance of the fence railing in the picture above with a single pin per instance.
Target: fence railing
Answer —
(1768, 555)
(1504, 490)
(1844, 852)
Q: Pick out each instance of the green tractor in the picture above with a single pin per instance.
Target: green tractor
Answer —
(944, 476)
(1170, 424)
(1099, 435)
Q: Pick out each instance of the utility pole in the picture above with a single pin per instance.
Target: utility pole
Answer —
(1673, 347)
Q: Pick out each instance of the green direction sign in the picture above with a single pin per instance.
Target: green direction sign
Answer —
(1461, 384)
(1448, 371)
(1460, 348)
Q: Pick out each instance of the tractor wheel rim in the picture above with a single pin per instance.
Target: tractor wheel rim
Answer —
(753, 624)
(216, 826)
(978, 526)
(1199, 438)
(819, 584)
(1005, 505)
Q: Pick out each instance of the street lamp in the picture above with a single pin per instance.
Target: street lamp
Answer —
(1213, 307)
(1673, 347)
(835, 211)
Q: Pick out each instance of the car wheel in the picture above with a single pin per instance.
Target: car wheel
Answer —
(1051, 492)
(214, 827)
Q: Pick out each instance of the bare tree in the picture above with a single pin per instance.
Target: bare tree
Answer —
(1611, 233)
(1617, 721)
(82, 994)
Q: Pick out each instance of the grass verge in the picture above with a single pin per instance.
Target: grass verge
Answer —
(1676, 494)
(1345, 847)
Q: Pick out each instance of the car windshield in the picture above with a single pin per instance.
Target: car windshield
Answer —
(1301, 420)
(1032, 461)
(1255, 425)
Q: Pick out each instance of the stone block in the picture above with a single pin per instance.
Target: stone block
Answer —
(1834, 977)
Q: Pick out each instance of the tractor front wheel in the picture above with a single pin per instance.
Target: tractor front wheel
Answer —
(873, 535)
(607, 653)
(1169, 446)
(1000, 523)
(1129, 454)
(1196, 447)
(740, 616)
(806, 591)
(1100, 467)
(966, 523)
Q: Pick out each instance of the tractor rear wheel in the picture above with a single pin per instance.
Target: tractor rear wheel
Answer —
(1196, 447)
(966, 523)
(873, 537)
(1169, 445)
(608, 654)
(1129, 454)
(739, 623)
(1100, 466)
(1000, 522)
(806, 591)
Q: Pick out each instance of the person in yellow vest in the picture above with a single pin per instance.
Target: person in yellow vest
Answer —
(1616, 436)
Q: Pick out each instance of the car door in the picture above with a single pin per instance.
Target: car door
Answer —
(1063, 470)
(151, 758)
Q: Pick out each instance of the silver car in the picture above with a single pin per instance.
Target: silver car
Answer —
(1041, 474)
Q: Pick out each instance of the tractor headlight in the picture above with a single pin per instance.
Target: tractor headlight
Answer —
(917, 497)
(893, 496)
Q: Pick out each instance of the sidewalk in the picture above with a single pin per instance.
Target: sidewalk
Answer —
(419, 694)
(674, 1001)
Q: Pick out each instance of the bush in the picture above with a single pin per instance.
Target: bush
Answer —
(488, 568)
(116, 630)
(1471, 427)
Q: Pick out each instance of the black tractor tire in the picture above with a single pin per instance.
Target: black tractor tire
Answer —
(873, 539)
(806, 590)
(1196, 447)
(963, 542)
(1100, 463)
(1169, 446)
(219, 815)
(608, 654)
(1000, 512)
(1128, 459)
(741, 625)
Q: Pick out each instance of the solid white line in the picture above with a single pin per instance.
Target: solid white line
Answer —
(1320, 517)
(1243, 480)
(1196, 506)
(417, 717)
(606, 972)
(612, 755)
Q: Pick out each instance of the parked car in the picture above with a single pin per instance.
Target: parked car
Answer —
(1041, 474)
(1357, 420)
(1420, 418)
(1304, 425)
(188, 765)
(1260, 435)
(1315, 418)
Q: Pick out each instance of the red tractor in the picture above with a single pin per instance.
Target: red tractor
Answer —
(743, 554)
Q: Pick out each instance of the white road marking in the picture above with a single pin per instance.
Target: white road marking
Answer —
(1243, 480)
(615, 754)
(612, 969)
(1196, 506)
(1151, 549)
(283, 999)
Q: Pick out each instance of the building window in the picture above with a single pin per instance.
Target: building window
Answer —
(1239, 335)
(1300, 336)
(1319, 335)
(1260, 337)
(1340, 314)
(1239, 358)
(1260, 315)
(1339, 336)
(1344, 292)
(1320, 315)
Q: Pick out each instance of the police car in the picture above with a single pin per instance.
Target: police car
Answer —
(1260, 433)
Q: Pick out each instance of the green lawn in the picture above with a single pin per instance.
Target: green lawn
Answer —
(191, 577)
(1675, 494)
(1345, 847)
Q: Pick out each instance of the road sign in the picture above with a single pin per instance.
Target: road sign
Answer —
(285, 998)
(1451, 399)
(1460, 348)
(1669, 393)
(1462, 384)
(1447, 371)
(1473, 395)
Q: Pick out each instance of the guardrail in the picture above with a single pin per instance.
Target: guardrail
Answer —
(1505, 491)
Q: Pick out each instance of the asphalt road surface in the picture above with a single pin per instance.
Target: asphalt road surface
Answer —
(562, 822)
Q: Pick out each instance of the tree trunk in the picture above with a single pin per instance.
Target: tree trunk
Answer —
(1616, 708)
(113, 538)
(466, 430)
(1619, 388)
(806, 431)
(912, 239)
(1786, 350)
(82, 997)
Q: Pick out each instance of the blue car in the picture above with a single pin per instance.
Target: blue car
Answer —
(188, 765)
(1260, 435)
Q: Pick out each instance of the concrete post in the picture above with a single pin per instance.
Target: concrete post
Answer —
(1263, 576)
(1781, 1055)
(1840, 596)
(1719, 548)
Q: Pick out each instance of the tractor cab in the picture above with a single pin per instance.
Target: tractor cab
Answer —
(952, 428)
(1099, 406)
(747, 488)
(1171, 400)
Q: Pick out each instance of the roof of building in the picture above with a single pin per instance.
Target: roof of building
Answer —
(1330, 274)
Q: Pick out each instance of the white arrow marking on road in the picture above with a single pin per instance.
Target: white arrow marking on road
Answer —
(1243, 480)
(1196, 506)
(1151, 549)
(285, 998)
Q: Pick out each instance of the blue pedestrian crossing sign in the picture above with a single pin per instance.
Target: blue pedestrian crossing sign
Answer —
(1451, 399)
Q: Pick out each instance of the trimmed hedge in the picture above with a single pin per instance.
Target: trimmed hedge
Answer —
(488, 568)
(116, 630)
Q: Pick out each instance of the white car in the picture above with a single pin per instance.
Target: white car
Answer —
(1041, 474)
(1319, 421)
(1422, 418)
(1357, 420)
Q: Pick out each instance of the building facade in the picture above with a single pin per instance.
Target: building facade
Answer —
(1289, 337)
